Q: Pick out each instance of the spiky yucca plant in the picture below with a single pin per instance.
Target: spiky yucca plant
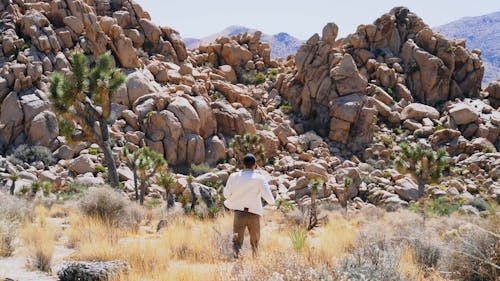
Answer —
(82, 101)
(148, 163)
(425, 164)
(167, 181)
(248, 143)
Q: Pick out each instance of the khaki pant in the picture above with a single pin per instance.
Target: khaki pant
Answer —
(243, 220)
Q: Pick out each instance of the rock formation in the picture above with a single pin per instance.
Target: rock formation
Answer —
(378, 70)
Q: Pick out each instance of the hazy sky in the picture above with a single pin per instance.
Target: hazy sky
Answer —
(200, 18)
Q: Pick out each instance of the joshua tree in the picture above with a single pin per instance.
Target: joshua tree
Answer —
(313, 215)
(166, 180)
(82, 101)
(130, 160)
(248, 143)
(13, 178)
(425, 164)
(148, 163)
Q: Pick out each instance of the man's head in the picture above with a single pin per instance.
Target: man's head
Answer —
(249, 161)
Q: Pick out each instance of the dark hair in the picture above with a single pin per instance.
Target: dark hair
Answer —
(249, 160)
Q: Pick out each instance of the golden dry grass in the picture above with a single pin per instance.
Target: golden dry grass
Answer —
(193, 249)
(39, 239)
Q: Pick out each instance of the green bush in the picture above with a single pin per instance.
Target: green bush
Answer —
(45, 187)
(272, 73)
(100, 168)
(286, 108)
(259, 78)
(414, 68)
(93, 151)
(200, 169)
(31, 154)
(153, 203)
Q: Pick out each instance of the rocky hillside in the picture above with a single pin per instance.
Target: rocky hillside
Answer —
(480, 33)
(390, 114)
(282, 44)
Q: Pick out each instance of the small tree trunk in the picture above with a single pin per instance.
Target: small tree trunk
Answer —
(313, 217)
(143, 192)
(136, 184)
(12, 187)
(108, 155)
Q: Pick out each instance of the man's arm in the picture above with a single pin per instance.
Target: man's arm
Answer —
(266, 192)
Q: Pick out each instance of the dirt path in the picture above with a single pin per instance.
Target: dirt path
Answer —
(15, 268)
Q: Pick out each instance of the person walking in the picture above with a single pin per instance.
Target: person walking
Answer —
(243, 193)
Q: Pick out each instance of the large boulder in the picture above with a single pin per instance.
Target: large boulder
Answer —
(82, 164)
(418, 111)
(407, 189)
(462, 113)
(91, 271)
(43, 129)
(186, 114)
(11, 118)
(215, 150)
(234, 54)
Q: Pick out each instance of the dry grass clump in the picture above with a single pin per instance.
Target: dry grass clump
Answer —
(475, 253)
(111, 207)
(8, 231)
(39, 238)
(191, 239)
(351, 246)
(13, 212)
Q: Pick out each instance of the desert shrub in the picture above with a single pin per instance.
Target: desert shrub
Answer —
(14, 209)
(286, 108)
(8, 231)
(414, 68)
(110, 206)
(426, 254)
(272, 73)
(375, 257)
(30, 154)
(259, 78)
(442, 206)
(153, 203)
(475, 254)
(100, 168)
(200, 169)
(45, 187)
(72, 190)
(298, 237)
(93, 151)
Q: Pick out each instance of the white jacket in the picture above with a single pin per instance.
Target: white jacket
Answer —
(244, 190)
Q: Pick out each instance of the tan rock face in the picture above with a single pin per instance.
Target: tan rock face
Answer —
(82, 165)
(462, 113)
(234, 54)
(419, 111)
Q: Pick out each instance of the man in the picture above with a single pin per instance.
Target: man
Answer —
(243, 192)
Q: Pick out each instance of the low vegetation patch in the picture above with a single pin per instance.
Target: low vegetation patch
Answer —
(31, 154)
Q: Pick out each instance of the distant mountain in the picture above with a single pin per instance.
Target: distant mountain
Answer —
(282, 44)
(481, 32)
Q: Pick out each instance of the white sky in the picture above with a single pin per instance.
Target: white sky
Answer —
(200, 18)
